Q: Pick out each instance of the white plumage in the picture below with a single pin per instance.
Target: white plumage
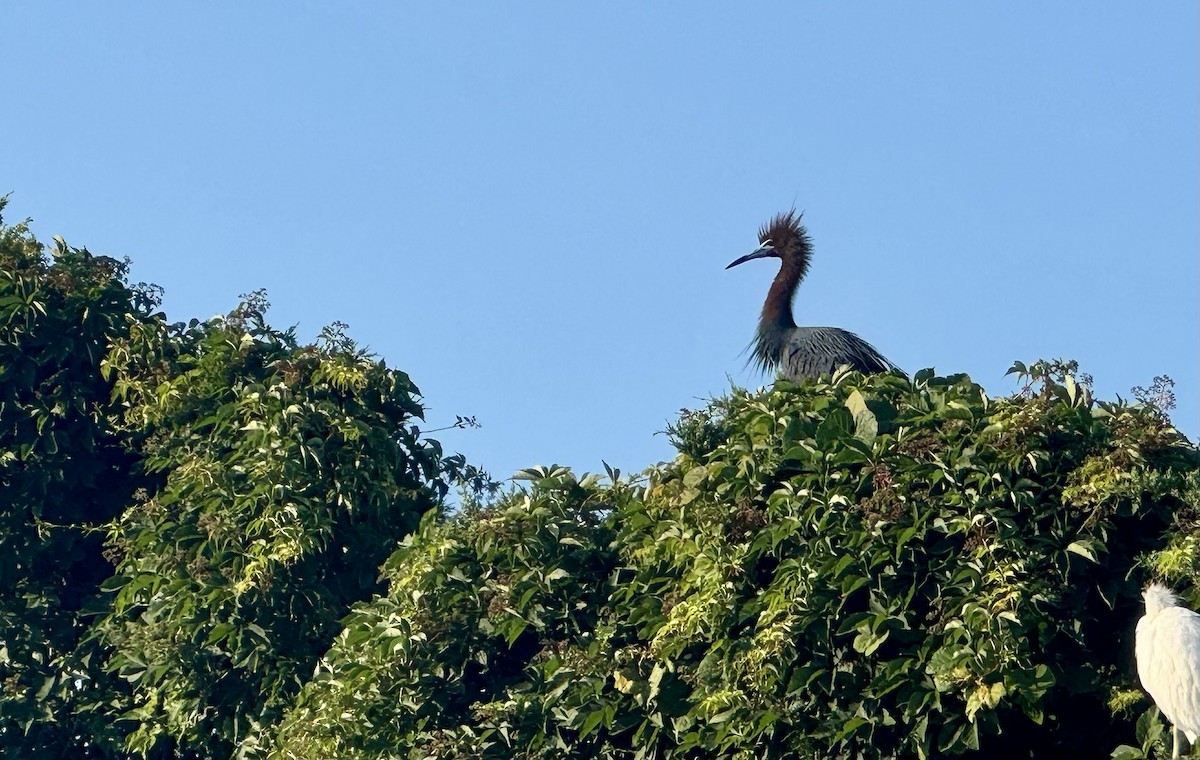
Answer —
(1168, 660)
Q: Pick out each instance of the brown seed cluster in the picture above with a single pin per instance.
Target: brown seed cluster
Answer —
(746, 520)
(884, 504)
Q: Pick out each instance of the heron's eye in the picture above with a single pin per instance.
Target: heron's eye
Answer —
(766, 244)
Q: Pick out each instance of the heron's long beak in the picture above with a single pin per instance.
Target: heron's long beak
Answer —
(761, 252)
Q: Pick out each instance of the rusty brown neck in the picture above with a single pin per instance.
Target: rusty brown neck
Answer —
(777, 309)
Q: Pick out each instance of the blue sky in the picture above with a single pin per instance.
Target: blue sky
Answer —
(528, 208)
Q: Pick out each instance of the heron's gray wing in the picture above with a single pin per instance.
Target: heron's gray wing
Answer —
(816, 351)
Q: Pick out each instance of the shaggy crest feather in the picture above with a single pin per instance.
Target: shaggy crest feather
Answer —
(1158, 597)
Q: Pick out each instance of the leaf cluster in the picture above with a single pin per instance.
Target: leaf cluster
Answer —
(65, 470)
(186, 510)
(216, 541)
(285, 475)
(859, 567)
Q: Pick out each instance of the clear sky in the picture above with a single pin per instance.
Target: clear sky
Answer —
(528, 207)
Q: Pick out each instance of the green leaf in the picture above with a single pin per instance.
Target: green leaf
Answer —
(1084, 548)
(866, 427)
(695, 476)
(867, 642)
(837, 425)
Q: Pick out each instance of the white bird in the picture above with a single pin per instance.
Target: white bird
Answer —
(1168, 660)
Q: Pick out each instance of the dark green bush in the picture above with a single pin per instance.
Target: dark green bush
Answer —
(867, 567)
(64, 472)
(194, 518)
(486, 618)
(186, 511)
(876, 567)
(288, 474)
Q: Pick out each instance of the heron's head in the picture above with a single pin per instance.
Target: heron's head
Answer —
(1158, 597)
(784, 237)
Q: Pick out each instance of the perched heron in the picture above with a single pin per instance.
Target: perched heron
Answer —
(1168, 660)
(799, 352)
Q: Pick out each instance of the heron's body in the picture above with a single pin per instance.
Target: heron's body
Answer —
(797, 352)
(801, 352)
(1168, 660)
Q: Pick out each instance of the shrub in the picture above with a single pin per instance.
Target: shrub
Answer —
(186, 511)
(64, 472)
(286, 475)
(194, 518)
(864, 567)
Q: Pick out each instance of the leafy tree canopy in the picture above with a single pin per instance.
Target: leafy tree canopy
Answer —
(188, 509)
(864, 567)
(216, 541)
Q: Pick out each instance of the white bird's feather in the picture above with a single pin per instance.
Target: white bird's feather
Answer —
(1168, 658)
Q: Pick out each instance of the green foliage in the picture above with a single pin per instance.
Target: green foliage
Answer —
(1153, 737)
(881, 568)
(489, 618)
(61, 464)
(865, 567)
(187, 510)
(698, 432)
(287, 475)
(194, 520)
